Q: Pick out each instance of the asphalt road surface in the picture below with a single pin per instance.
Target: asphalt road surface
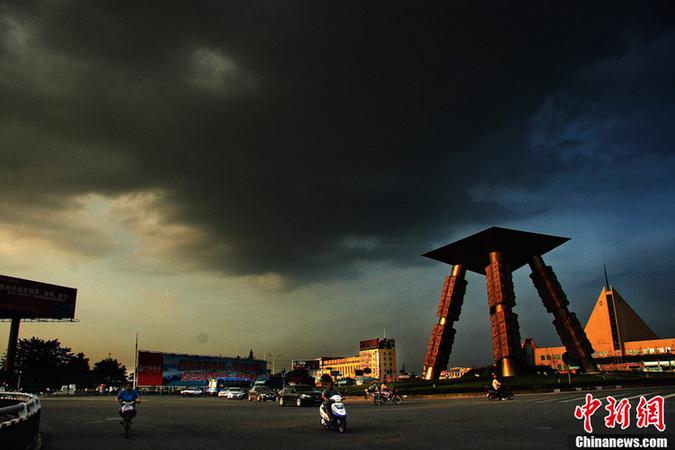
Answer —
(172, 422)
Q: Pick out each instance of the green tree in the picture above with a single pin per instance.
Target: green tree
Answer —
(109, 372)
(325, 379)
(297, 375)
(42, 364)
(78, 371)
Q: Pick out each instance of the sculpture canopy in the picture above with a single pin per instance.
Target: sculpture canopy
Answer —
(517, 247)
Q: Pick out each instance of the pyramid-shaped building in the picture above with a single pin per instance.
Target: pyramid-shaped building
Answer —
(620, 340)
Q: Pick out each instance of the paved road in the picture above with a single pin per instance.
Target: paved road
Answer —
(169, 422)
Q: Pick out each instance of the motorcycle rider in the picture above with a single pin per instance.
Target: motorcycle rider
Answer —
(128, 395)
(326, 396)
(385, 390)
(371, 390)
(497, 386)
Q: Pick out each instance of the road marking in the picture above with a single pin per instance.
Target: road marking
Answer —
(643, 395)
(550, 400)
(603, 398)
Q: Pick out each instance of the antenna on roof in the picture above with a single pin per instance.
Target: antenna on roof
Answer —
(606, 279)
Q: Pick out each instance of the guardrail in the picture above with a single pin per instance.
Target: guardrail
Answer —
(20, 420)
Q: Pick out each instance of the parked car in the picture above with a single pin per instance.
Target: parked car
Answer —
(261, 394)
(236, 392)
(191, 391)
(222, 393)
(299, 394)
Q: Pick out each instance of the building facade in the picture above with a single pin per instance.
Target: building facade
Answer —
(378, 355)
(376, 359)
(620, 340)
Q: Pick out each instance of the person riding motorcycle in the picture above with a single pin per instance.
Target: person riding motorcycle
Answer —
(128, 395)
(326, 396)
(385, 390)
(370, 391)
(497, 386)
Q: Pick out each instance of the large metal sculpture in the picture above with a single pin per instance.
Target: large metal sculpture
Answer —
(496, 253)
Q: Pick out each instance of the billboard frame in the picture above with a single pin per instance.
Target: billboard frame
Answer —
(22, 299)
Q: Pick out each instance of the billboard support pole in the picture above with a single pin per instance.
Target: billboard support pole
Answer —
(136, 363)
(11, 347)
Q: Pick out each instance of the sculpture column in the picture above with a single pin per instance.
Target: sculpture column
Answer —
(505, 328)
(566, 323)
(443, 335)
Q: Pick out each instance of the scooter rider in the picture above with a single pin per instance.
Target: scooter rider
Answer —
(326, 396)
(128, 395)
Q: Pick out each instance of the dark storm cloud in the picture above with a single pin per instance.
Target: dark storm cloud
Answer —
(305, 136)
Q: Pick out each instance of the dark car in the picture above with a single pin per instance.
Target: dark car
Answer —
(261, 394)
(300, 394)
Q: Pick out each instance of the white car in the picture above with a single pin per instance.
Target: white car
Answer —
(192, 391)
(235, 392)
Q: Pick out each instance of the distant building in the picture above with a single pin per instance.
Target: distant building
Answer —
(376, 359)
(620, 340)
(310, 365)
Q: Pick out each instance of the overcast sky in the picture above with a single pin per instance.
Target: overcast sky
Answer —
(227, 176)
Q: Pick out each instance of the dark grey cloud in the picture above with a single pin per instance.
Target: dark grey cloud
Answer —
(303, 137)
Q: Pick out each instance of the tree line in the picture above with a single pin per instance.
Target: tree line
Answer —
(44, 366)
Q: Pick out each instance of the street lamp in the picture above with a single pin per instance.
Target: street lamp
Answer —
(280, 354)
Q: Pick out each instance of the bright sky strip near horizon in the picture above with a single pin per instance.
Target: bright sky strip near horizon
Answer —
(222, 176)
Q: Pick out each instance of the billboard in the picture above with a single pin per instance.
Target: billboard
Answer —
(383, 343)
(35, 300)
(174, 369)
(312, 364)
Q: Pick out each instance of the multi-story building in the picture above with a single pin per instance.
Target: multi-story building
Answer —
(376, 359)
(620, 340)
(340, 368)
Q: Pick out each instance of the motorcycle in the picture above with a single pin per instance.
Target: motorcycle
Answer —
(392, 396)
(504, 393)
(370, 392)
(339, 419)
(128, 412)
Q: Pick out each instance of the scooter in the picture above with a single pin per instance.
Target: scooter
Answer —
(127, 412)
(339, 420)
(504, 393)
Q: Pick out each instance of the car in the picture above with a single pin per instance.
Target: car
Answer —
(236, 392)
(261, 394)
(222, 393)
(299, 394)
(191, 391)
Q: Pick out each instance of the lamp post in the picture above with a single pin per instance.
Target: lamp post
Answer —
(273, 372)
